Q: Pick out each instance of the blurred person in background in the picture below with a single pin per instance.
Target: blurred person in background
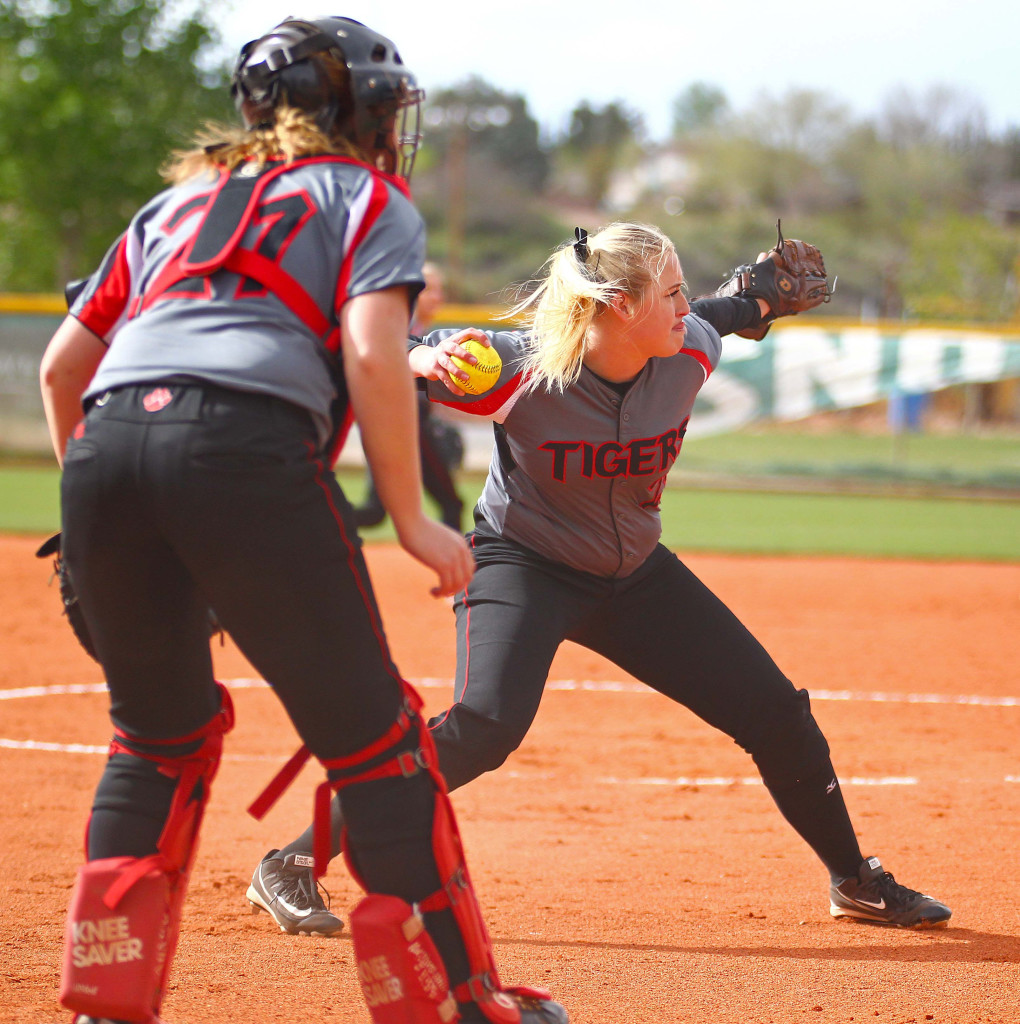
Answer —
(440, 443)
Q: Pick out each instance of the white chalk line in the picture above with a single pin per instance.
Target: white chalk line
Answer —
(588, 685)
(722, 781)
(631, 686)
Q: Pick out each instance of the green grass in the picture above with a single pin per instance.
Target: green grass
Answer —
(960, 460)
(29, 499)
(833, 524)
(694, 519)
(757, 522)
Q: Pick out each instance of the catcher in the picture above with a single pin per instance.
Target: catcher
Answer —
(590, 414)
(248, 313)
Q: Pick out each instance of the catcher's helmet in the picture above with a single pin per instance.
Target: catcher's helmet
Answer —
(284, 67)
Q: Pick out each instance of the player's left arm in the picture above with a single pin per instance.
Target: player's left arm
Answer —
(68, 365)
(790, 278)
(730, 314)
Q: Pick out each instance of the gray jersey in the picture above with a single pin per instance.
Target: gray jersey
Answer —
(578, 476)
(265, 319)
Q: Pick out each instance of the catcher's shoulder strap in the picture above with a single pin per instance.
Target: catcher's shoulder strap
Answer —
(227, 217)
(217, 246)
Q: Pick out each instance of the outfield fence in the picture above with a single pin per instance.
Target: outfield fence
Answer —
(802, 368)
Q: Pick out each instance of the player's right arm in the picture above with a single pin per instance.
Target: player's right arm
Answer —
(435, 362)
(374, 327)
(70, 361)
(432, 360)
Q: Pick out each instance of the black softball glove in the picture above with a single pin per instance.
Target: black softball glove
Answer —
(68, 595)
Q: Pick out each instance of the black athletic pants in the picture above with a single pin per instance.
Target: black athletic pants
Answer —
(663, 626)
(218, 498)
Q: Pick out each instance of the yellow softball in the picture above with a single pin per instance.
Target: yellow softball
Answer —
(482, 376)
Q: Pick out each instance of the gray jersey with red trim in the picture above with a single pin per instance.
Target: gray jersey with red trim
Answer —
(333, 226)
(577, 476)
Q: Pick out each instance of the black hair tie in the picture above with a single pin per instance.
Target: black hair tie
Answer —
(581, 250)
(583, 254)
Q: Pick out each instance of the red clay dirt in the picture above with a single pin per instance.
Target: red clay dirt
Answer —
(624, 856)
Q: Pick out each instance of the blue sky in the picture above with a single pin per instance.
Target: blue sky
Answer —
(557, 52)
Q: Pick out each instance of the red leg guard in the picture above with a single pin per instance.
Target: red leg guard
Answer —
(114, 957)
(457, 893)
(125, 913)
(401, 974)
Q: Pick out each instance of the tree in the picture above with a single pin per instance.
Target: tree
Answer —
(478, 181)
(700, 107)
(915, 209)
(492, 123)
(597, 143)
(95, 95)
(803, 121)
(915, 182)
(940, 115)
(960, 268)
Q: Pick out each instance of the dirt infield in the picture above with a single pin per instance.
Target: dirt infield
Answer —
(625, 855)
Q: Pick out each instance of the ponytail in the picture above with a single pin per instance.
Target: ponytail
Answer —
(581, 279)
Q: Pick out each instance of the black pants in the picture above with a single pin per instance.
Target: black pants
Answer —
(219, 498)
(661, 624)
(664, 627)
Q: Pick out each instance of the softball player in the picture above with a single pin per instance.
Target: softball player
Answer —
(590, 412)
(221, 350)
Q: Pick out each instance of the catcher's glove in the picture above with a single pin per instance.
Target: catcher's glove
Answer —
(790, 278)
(69, 596)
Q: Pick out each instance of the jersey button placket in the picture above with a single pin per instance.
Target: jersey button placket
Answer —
(624, 435)
(618, 492)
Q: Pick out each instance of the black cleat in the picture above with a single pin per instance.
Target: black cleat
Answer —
(534, 1005)
(874, 895)
(540, 1011)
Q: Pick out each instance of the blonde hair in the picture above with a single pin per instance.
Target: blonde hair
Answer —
(622, 258)
(292, 135)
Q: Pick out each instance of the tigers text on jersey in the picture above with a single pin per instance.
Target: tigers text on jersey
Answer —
(238, 279)
(577, 476)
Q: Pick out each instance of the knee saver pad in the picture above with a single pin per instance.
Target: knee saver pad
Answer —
(384, 913)
(125, 913)
(115, 950)
(789, 746)
(400, 971)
